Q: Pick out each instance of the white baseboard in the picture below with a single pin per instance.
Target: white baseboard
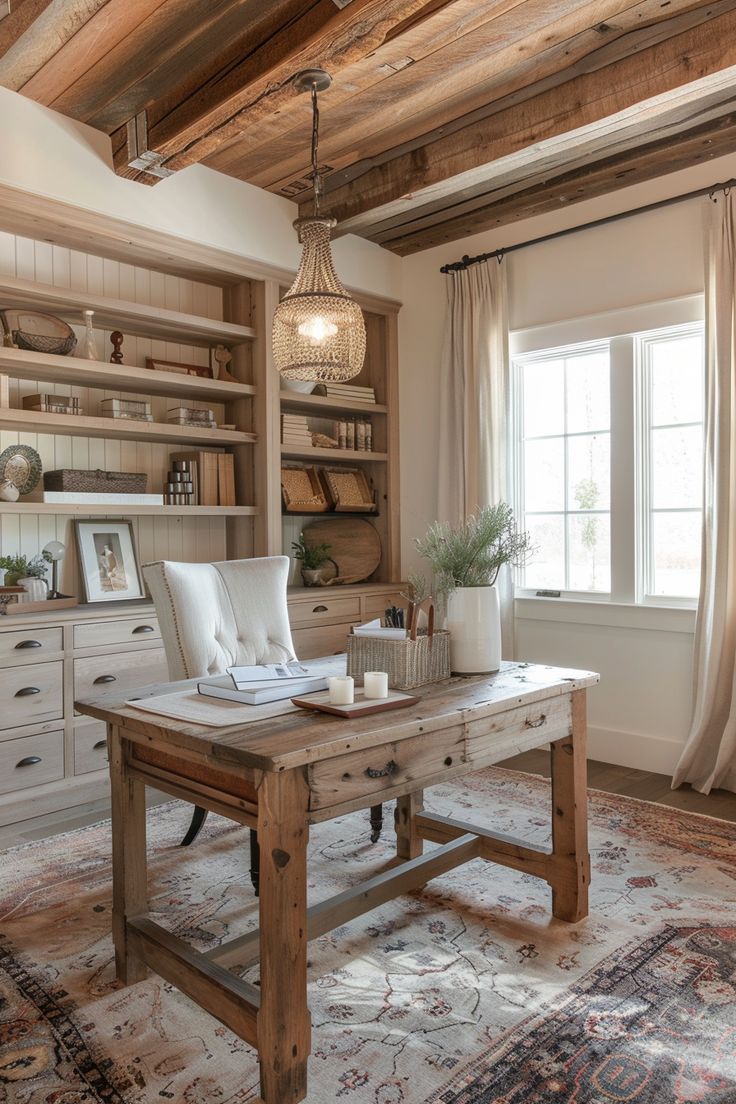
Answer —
(634, 749)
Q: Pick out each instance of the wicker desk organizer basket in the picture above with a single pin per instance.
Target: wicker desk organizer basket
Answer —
(95, 481)
(409, 663)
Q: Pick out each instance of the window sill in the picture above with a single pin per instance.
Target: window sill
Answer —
(620, 615)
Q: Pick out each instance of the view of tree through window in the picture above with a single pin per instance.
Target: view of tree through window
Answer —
(563, 448)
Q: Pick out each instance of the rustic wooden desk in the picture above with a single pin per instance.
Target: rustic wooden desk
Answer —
(281, 775)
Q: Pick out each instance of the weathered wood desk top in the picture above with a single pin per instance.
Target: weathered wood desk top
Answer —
(282, 774)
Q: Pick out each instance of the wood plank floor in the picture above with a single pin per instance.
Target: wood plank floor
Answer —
(636, 783)
(601, 776)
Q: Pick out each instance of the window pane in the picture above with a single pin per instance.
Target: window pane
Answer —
(546, 566)
(588, 393)
(590, 552)
(544, 398)
(589, 472)
(677, 379)
(676, 554)
(677, 467)
(544, 475)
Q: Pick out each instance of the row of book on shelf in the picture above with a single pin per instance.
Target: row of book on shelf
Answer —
(201, 477)
(355, 391)
(347, 433)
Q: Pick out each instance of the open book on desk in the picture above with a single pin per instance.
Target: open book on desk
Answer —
(258, 691)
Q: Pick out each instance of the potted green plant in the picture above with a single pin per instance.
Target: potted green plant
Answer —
(312, 559)
(466, 560)
(31, 574)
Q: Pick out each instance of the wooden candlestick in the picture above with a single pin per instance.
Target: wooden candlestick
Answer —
(117, 340)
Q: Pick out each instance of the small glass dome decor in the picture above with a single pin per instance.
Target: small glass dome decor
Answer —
(318, 329)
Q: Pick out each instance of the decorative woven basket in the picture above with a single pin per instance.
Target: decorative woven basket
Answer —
(79, 479)
(409, 663)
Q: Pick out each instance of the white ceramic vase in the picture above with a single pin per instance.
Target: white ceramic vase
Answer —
(474, 621)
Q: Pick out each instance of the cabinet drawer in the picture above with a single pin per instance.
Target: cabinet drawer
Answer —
(323, 609)
(90, 747)
(33, 645)
(122, 672)
(323, 640)
(31, 761)
(100, 634)
(366, 773)
(30, 694)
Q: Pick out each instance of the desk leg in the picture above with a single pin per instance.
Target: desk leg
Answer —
(571, 869)
(284, 1025)
(409, 843)
(129, 888)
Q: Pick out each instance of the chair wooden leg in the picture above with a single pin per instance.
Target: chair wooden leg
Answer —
(255, 862)
(199, 816)
(376, 822)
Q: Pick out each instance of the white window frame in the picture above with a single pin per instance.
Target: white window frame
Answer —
(620, 329)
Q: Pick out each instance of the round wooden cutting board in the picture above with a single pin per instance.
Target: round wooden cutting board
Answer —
(355, 547)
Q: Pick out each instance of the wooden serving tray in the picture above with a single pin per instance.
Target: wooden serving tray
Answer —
(15, 609)
(361, 707)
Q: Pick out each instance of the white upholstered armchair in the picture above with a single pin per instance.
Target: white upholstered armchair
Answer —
(218, 615)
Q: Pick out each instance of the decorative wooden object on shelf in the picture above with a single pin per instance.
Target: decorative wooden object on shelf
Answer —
(116, 339)
(224, 357)
(153, 364)
(349, 489)
(355, 547)
(302, 491)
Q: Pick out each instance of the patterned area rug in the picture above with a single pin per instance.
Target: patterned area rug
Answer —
(466, 993)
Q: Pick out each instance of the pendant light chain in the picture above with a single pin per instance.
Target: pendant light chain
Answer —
(316, 178)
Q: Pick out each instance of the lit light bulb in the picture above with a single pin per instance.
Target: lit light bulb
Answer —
(317, 329)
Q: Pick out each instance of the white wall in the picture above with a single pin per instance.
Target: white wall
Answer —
(47, 154)
(640, 713)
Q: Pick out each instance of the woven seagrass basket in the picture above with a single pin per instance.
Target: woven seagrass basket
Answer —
(409, 663)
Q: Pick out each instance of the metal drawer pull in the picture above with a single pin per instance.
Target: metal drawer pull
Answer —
(29, 761)
(27, 691)
(28, 644)
(104, 678)
(536, 724)
(320, 609)
(99, 745)
(388, 770)
(143, 629)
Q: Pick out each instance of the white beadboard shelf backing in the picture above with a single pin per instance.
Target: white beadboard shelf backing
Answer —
(119, 429)
(120, 314)
(111, 509)
(48, 368)
(317, 403)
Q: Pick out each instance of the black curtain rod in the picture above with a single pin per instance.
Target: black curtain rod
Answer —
(499, 254)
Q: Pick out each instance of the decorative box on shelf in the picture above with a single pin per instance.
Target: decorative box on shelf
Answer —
(95, 481)
(302, 491)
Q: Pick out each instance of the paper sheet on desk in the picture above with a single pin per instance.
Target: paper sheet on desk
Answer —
(188, 705)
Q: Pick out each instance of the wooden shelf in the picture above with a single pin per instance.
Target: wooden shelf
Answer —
(333, 454)
(121, 314)
(318, 403)
(119, 429)
(110, 509)
(48, 368)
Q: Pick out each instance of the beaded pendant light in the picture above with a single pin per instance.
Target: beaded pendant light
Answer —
(318, 329)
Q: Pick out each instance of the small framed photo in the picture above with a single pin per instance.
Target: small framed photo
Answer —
(107, 560)
(156, 365)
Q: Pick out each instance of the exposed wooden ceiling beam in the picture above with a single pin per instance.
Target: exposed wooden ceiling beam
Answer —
(34, 33)
(485, 60)
(537, 196)
(183, 133)
(668, 75)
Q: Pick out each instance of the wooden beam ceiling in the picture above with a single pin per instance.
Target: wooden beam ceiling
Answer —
(445, 116)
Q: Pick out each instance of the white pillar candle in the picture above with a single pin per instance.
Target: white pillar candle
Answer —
(375, 684)
(341, 689)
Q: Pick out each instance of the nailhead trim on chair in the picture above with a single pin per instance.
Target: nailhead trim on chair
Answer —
(160, 565)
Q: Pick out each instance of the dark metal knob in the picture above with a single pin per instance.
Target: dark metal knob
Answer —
(29, 761)
(536, 724)
(27, 691)
(99, 745)
(104, 678)
(320, 609)
(28, 644)
(143, 629)
(386, 772)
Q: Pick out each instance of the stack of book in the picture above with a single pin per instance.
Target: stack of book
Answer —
(192, 416)
(263, 683)
(350, 391)
(137, 410)
(295, 431)
(211, 473)
(52, 404)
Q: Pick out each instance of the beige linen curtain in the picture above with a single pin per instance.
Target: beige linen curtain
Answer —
(709, 758)
(474, 413)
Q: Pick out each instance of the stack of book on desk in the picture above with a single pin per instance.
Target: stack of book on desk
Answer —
(295, 431)
(263, 683)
